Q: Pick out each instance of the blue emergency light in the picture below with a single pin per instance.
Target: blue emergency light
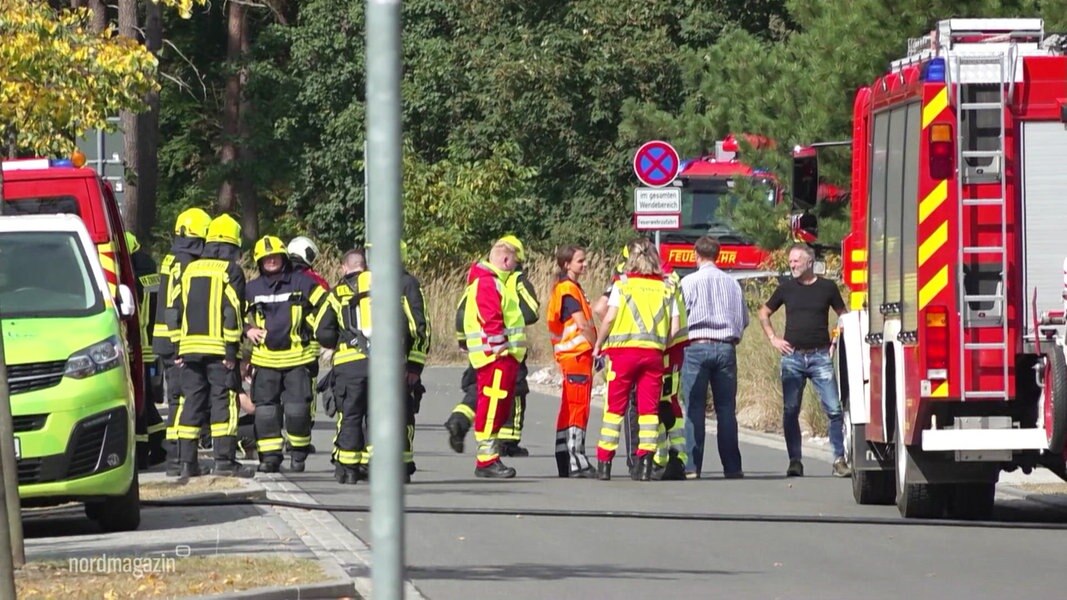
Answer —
(60, 162)
(934, 71)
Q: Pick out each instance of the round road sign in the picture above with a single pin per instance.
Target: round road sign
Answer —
(656, 163)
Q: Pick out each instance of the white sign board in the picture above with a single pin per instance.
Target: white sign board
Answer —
(657, 201)
(649, 222)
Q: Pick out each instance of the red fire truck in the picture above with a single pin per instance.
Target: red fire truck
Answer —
(950, 362)
(707, 184)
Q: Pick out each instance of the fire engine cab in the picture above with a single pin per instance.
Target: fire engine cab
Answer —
(951, 361)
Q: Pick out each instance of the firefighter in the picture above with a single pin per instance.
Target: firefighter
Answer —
(495, 337)
(670, 458)
(459, 422)
(303, 252)
(641, 318)
(190, 229)
(208, 350)
(280, 305)
(570, 322)
(344, 323)
(150, 429)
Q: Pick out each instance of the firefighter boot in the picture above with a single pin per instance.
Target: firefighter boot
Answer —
(643, 470)
(457, 426)
(675, 468)
(226, 464)
(513, 449)
(270, 463)
(496, 470)
(190, 466)
(603, 470)
(296, 463)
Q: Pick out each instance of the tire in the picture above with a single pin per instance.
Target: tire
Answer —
(1054, 399)
(118, 513)
(869, 487)
(914, 500)
(972, 501)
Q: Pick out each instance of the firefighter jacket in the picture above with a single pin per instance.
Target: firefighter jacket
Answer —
(344, 322)
(211, 310)
(517, 284)
(285, 305)
(299, 266)
(144, 269)
(415, 312)
(184, 250)
(493, 323)
(680, 339)
(567, 338)
(643, 320)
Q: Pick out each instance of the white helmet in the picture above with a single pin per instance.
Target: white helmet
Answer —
(304, 249)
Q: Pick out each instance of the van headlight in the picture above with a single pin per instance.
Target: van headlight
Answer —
(100, 357)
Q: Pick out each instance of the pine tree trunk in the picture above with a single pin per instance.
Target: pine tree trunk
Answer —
(131, 152)
(247, 187)
(148, 132)
(99, 9)
(227, 200)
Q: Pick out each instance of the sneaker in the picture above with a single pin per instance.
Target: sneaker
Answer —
(841, 468)
(692, 475)
(796, 469)
(496, 470)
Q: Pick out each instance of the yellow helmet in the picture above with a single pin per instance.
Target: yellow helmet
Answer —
(224, 228)
(269, 245)
(511, 240)
(192, 222)
(131, 243)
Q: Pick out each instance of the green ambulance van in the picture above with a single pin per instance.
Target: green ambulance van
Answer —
(72, 396)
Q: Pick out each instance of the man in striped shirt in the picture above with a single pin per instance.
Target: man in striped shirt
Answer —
(717, 319)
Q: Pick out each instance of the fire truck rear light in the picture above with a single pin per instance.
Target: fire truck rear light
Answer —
(937, 374)
(940, 132)
(941, 151)
(936, 319)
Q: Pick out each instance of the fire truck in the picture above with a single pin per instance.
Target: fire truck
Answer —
(951, 362)
(709, 187)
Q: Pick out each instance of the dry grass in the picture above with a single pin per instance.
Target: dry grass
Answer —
(160, 490)
(169, 577)
(759, 398)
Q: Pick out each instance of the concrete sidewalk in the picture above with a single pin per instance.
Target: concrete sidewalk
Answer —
(63, 533)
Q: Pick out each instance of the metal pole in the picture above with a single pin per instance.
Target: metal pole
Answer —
(386, 354)
(11, 528)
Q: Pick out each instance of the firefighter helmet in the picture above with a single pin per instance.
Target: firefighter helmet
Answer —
(511, 240)
(268, 245)
(193, 223)
(226, 229)
(131, 243)
(304, 249)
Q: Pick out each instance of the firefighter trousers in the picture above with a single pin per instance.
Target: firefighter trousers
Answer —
(352, 443)
(149, 427)
(172, 393)
(670, 437)
(639, 369)
(511, 429)
(209, 388)
(282, 394)
(496, 391)
(573, 416)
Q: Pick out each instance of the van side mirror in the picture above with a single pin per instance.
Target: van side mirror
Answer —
(127, 304)
(805, 179)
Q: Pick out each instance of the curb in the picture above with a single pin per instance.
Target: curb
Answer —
(320, 591)
(252, 494)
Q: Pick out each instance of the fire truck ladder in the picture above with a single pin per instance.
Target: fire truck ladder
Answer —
(970, 321)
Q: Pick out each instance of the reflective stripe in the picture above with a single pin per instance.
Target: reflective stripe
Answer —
(464, 410)
(349, 458)
(272, 298)
(273, 444)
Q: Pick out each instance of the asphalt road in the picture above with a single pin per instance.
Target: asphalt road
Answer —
(730, 555)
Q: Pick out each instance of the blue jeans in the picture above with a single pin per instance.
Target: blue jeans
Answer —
(817, 366)
(716, 364)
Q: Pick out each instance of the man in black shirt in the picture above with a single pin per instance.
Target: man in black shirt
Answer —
(807, 353)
